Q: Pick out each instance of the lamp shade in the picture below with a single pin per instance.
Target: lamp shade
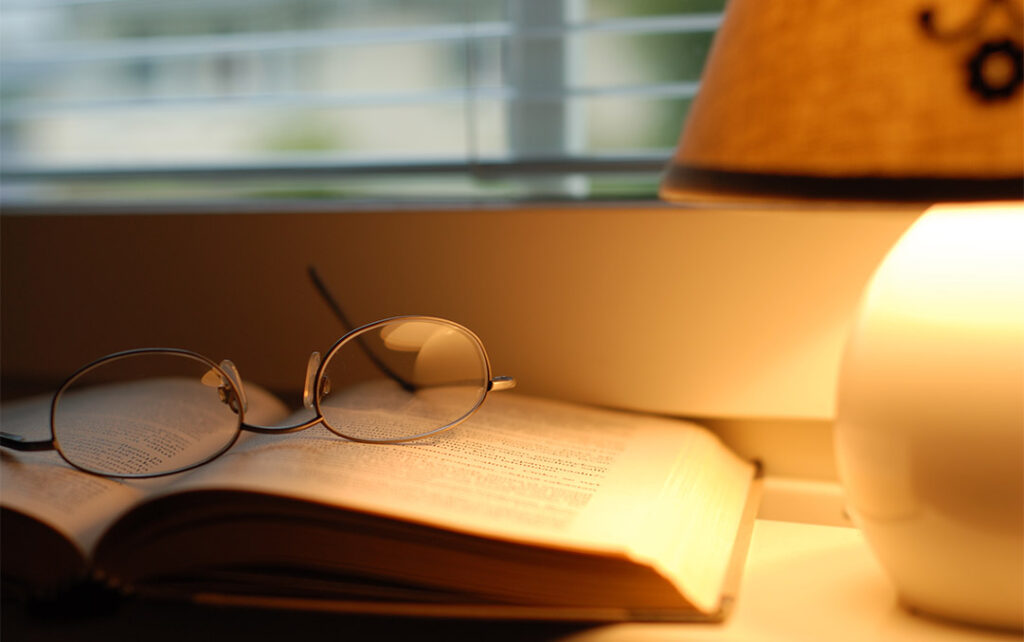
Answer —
(895, 101)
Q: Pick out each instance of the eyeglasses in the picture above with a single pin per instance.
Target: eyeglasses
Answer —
(158, 411)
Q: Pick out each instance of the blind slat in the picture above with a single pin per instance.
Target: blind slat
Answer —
(317, 100)
(649, 161)
(173, 46)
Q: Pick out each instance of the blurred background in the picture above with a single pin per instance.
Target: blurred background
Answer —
(169, 169)
(357, 99)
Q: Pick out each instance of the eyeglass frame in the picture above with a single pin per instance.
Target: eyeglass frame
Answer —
(232, 390)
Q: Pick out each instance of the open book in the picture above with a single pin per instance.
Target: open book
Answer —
(532, 508)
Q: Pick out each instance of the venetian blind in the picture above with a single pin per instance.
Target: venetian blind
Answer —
(345, 99)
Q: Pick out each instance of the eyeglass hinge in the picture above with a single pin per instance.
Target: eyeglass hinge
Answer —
(502, 383)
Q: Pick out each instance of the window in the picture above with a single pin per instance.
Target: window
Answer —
(344, 99)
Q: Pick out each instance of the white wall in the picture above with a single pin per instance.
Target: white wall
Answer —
(722, 314)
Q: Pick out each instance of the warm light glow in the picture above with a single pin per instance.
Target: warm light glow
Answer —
(930, 424)
(409, 336)
(449, 358)
(961, 266)
(444, 355)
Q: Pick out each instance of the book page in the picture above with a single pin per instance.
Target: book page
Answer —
(77, 504)
(44, 486)
(524, 469)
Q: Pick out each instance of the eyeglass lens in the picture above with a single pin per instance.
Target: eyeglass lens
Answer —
(144, 414)
(153, 413)
(429, 375)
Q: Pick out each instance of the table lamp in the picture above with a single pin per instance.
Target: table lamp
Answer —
(918, 103)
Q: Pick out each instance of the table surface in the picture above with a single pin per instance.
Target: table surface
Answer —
(801, 582)
(809, 582)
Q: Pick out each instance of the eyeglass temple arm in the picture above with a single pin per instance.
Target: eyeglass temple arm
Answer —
(18, 442)
(332, 303)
